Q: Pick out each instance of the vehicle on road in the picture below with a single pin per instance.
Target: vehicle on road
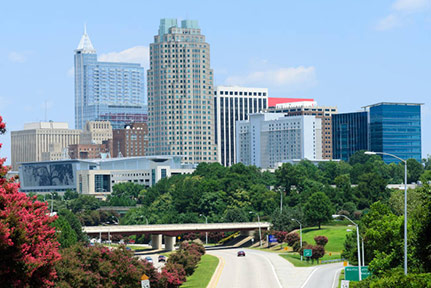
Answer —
(241, 253)
(162, 258)
(149, 259)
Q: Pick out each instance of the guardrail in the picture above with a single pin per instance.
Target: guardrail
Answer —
(332, 261)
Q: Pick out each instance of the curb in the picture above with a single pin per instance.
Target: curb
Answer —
(216, 276)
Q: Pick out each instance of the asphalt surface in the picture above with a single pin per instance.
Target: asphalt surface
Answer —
(265, 269)
(324, 276)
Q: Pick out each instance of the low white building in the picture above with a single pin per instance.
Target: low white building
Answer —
(268, 138)
(97, 176)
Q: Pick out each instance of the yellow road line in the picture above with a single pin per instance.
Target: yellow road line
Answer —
(216, 277)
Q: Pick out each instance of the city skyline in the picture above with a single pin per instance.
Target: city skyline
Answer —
(344, 54)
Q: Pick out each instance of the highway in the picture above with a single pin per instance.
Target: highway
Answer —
(265, 269)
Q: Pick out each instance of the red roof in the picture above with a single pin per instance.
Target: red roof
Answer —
(274, 101)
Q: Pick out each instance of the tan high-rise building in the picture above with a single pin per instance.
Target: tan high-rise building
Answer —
(37, 139)
(311, 108)
(96, 132)
(180, 94)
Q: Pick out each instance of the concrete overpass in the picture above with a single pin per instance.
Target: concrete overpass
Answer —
(171, 230)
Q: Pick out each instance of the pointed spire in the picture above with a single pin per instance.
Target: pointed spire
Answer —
(85, 45)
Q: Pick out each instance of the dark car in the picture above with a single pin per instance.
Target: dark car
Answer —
(162, 258)
(241, 253)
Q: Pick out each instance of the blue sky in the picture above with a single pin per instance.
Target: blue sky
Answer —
(344, 53)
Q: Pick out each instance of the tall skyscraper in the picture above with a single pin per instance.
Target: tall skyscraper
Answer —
(307, 107)
(395, 128)
(234, 104)
(107, 90)
(180, 93)
(349, 134)
(269, 138)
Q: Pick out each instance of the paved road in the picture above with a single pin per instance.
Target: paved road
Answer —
(265, 269)
(324, 276)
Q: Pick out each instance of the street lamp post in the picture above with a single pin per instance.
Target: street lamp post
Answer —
(281, 201)
(300, 233)
(260, 232)
(405, 201)
(206, 233)
(363, 252)
(357, 239)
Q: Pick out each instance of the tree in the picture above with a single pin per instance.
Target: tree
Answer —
(318, 209)
(28, 244)
(235, 215)
(65, 234)
(83, 202)
(414, 170)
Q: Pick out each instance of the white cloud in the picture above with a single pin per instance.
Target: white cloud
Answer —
(388, 22)
(17, 57)
(402, 10)
(285, 79)
(137, 54)
(411, 5)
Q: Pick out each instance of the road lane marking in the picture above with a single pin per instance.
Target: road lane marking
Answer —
(272, 267)
(308, 278)
(335, 277)
(216, 277)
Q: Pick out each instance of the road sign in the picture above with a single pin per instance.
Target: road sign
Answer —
(308, 252)
(272, 239)
(285, 248)
(351, 273)
(345, 283)
(345, 263)
(145, 281)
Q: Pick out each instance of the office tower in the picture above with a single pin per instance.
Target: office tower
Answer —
(107, 90)
(233, 104)
(180, 94)
(29, 144)
(307, 107)
(395, 128)
(131, 141)
(269, 138)
(349, 134)
(96, 132)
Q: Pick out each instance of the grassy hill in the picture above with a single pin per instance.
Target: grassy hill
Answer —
(336, 236)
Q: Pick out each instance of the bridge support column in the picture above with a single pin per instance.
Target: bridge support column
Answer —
(169, 243)
(156, 241)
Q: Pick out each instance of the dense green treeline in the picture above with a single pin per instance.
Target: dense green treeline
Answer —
(229, 193)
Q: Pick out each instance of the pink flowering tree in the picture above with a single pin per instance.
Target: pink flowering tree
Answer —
(28, 244)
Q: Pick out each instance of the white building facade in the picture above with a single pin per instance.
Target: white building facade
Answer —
(234, 104)
(268, 138)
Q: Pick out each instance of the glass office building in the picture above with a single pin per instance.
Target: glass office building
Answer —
(395, 128)
(107, 90)
(350, 134)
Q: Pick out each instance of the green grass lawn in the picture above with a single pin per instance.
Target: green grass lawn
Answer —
(336, 236)
(295, 259)
(203, 273)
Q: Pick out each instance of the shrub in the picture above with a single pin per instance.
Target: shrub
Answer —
(318, 251)
(292, 238)
(173, 275)
(98, 266)
(321, 240)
